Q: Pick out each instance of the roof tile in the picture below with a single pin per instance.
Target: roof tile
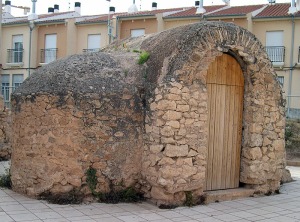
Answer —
(276, 10)
(237, 10)
(192, 11)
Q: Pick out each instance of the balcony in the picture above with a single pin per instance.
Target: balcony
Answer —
(15, 57)
(48, 55)
(276, 55)
(90, 50)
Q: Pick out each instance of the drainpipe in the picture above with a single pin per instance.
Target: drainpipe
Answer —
(108, 24)
(31, 27)
(291, 65)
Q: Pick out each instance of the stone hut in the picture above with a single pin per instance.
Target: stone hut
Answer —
(205, 112)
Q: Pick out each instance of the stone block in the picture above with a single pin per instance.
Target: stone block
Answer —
(159, 193)
(167, 131)
(176, 151)
(166, 105)
(172, 115)
(156, 148)
(174, 124)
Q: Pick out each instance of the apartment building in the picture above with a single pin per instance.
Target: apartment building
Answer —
(28, 44)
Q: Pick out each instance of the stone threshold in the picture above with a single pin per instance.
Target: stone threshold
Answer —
(292, 163)
(225, 195)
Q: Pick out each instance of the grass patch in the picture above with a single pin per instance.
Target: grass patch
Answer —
(127, 195)
(144, 56)
(189, 199)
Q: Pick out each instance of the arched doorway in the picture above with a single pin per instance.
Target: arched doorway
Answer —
(225, 88)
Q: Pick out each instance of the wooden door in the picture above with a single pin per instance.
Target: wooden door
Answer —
(225, 86)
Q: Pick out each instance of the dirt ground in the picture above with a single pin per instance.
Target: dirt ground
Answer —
(292, 140)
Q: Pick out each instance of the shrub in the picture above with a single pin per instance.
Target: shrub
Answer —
(144, 56)
(5, 180)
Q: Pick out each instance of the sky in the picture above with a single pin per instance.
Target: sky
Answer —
(93, 7)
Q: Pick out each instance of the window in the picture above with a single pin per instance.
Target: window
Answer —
(94, 43)
(50, 52)
(137, 32)
(281, 80)
(274, 46)
(5, 88)
(15, 54)
(17, 80)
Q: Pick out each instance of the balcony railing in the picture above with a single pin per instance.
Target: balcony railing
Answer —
(91, 50)
(276, 53)
(15, 55)
(48, 55)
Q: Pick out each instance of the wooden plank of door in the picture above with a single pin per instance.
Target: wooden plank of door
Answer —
(240, 90)
(220, 145)
(227, 128)
(217, 142)
(208, 163)
(234, 176)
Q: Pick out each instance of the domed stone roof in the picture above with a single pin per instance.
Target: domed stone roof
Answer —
(85, 73)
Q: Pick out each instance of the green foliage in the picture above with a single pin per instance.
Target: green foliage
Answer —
(292, 137)
(189, 199)
(5, 180)
(126, 72)
(288, 133)
(91, 180)
(136, 51)
(144, 56)
(72, 197)
(127, 195)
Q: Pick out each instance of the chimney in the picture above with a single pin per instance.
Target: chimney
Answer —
(77, 7)
(7, 8)
(56, 8)
(132, 8)
(112, 10)
(33, 6)
(50, 10)
(200, 9)
(292, 9)
(197, 3)
(154, 5)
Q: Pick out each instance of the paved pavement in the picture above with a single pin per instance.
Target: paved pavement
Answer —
(284, 207)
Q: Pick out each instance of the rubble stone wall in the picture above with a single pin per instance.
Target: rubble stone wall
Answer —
(5, 132)
(174, 160)
(145, 124)
(60, 143)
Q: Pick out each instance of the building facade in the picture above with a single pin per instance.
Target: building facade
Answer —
(30, 44)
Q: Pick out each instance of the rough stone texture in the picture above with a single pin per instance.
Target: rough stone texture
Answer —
(85, 115)
(5, 132)
(145, 124)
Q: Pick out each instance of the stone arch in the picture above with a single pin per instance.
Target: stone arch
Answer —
(176, 131)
